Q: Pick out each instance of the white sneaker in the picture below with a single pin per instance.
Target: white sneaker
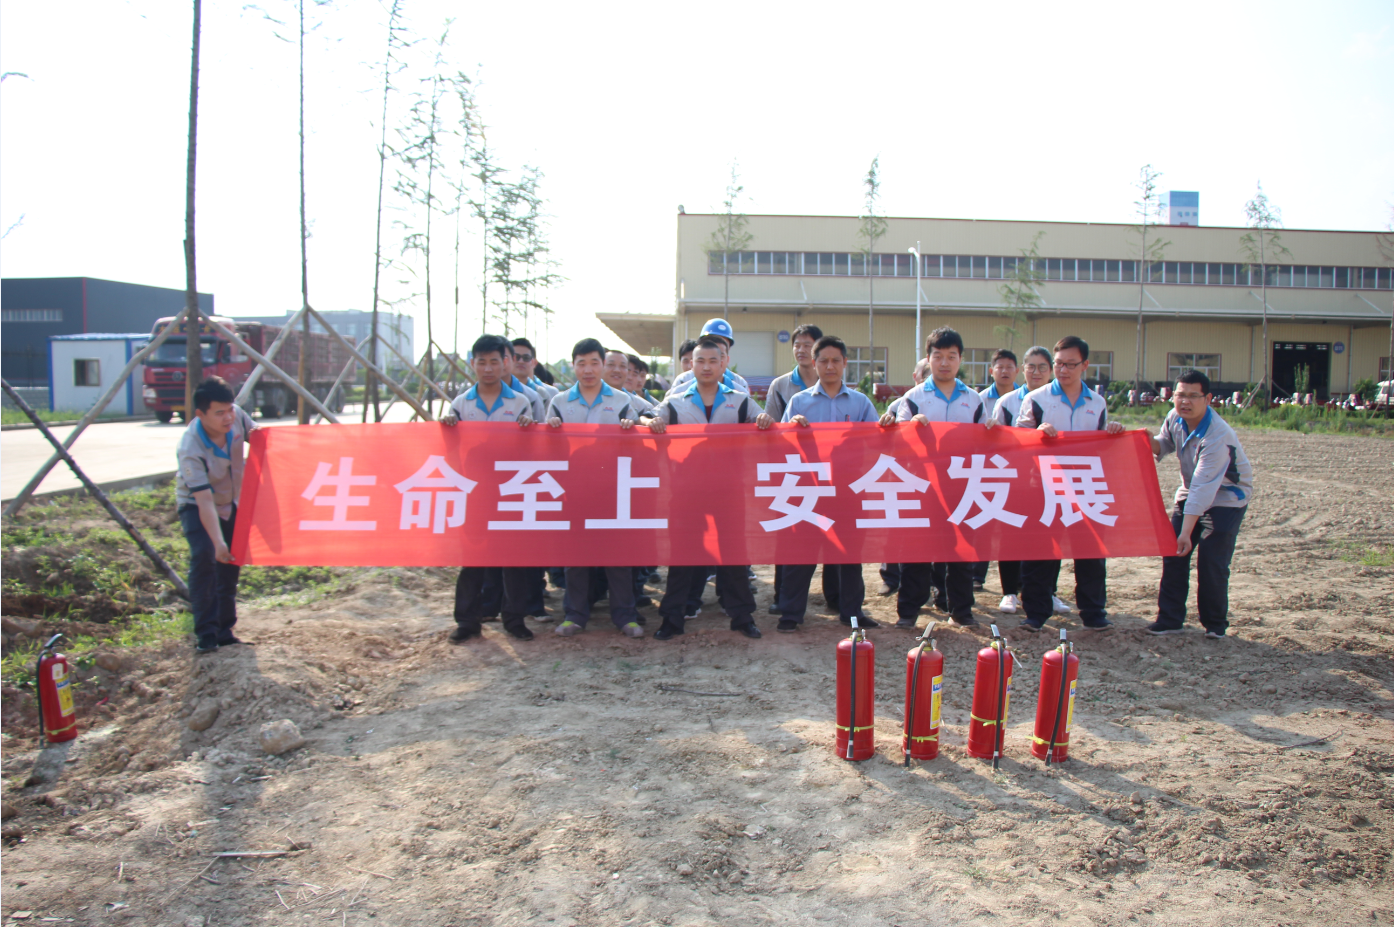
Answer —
(1010, 605)
(1060, 607)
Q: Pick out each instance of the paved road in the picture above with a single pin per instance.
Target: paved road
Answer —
(112, 451)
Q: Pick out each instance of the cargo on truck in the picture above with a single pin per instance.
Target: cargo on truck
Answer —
(166, 368)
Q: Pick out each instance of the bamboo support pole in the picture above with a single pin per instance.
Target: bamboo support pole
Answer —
(97, 409)
(160, 563)
(343, 373)
(255, 376)
(369, 365)
(285, 378)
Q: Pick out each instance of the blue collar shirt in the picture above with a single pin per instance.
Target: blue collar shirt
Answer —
(814, 404)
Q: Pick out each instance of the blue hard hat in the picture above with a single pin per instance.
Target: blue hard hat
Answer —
(720, 328)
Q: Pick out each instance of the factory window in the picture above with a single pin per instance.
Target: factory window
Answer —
(1208, 364)
(1100, 366)
(863, 361)
(979, 267)
(31, 315)
(976, 367)
(87, 371)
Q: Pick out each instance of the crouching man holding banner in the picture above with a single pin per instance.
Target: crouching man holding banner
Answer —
(707, 401)
(491, 400)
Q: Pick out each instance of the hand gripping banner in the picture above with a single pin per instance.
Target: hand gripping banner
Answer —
(493, 494)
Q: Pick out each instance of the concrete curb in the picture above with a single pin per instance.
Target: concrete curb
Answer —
(149, 481)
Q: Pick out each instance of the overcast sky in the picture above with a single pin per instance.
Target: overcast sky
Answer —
(1014, 111)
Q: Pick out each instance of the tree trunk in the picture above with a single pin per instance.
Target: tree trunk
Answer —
(1266, 385)
(192, 322)
(302, 409)
(370, 383)
(1141, 294)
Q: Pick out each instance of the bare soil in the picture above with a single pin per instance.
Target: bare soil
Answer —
(1248, 781)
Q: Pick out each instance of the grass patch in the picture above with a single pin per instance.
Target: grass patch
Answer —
(1375, 555)
(16, 417)
(1308, 420)
(17, 666)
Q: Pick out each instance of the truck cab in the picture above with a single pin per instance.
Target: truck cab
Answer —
(166, 367)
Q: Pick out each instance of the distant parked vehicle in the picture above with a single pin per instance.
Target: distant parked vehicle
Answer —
(165, 369)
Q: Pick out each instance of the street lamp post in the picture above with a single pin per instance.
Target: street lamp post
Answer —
(918, 261)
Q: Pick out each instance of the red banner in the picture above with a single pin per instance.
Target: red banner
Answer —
(490, 494)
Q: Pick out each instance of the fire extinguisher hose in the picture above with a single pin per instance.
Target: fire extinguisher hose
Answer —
(852, 694)
(915, 693)
(1001, 694)
(1060, 699)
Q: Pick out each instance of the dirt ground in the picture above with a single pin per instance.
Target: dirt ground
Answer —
(554, 783)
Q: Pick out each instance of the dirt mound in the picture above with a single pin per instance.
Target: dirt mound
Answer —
(563, 781)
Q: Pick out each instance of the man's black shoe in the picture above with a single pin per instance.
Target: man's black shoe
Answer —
(1103, 624)
(460, 635)
(965, 620)
(665, 633)
(228, 642)
(1029, 627)
(907, 624)
(787, 625)
(750, 631)
(643, 601)
(520, 632)
(774, 609)
(977, 586)
(641, 621)
(862, 622)
(205, 646)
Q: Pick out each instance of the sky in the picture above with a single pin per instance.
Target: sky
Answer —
(1027, 111)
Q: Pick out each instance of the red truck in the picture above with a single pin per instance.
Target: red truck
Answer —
(165, 368)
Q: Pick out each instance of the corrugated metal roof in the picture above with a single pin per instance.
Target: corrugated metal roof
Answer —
(101, 336)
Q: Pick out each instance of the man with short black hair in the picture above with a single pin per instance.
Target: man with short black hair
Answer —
(1003, 369)
(721, 331)
(828, 400)
(707, 401)
(943, 397)
(685, 355)
(491, 400)
(1217, 483)
(591, 400)
(1067, 404)
(800, 378)
(526, 366)
(207, 486)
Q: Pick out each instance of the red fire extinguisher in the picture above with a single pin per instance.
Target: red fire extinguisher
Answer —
(924, 684)
(856, 696)
(992, 693)
(57, 718)
(1056, 707)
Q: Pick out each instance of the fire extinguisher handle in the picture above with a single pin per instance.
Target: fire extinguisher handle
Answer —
(52, 641)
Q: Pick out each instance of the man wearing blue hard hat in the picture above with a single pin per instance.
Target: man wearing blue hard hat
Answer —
(719, 330)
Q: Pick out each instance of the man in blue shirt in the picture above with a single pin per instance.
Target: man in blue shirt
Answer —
(941, 398)
(1067, 404)
(828, 400)
(707, 401)
(509, 588)
(1217, 483)
(592, 400)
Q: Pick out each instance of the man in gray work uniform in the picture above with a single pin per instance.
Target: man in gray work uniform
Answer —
(207, 485)
(1217, 483)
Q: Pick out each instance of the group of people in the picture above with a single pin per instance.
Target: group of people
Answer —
(1216, 484)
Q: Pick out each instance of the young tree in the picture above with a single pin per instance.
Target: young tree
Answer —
(489, 179)
(392, 65)
(421, 155)
(1258, 245)
(1150, 247)
(729, 238)
(1386, 250)
(193, 360)
(1020, 296)
(872, 227)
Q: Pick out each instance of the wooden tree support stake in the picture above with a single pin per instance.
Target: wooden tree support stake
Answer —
(97, 494)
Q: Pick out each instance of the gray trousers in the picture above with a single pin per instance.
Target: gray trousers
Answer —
(578, 586)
